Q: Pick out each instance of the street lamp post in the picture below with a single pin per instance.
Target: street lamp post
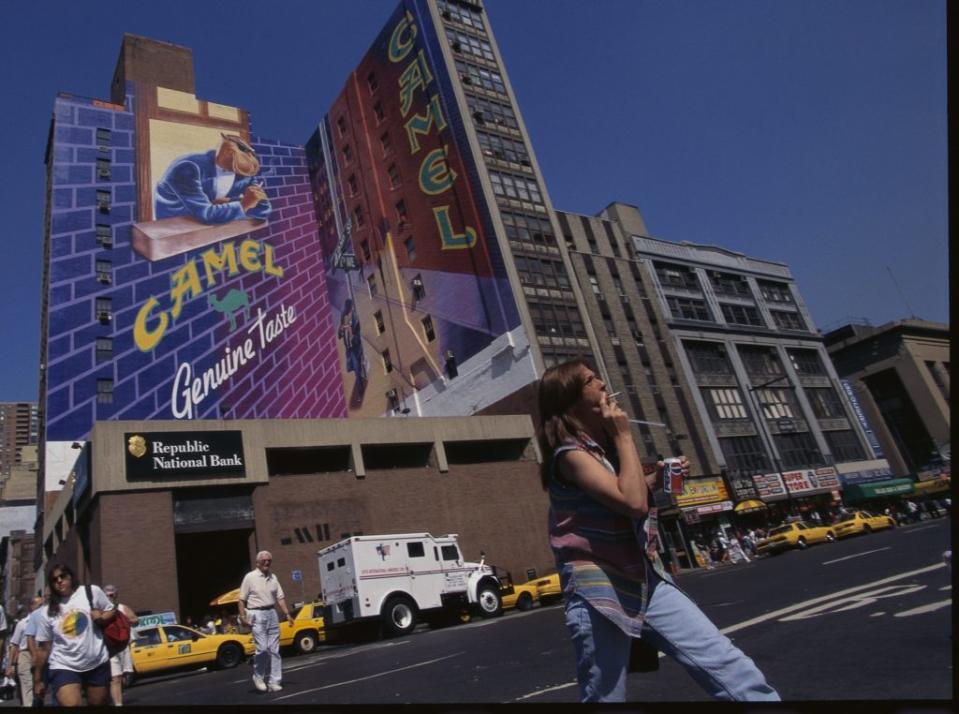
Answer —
(763, 430)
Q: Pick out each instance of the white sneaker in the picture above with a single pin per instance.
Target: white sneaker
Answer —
(273, 687)
(259, 683)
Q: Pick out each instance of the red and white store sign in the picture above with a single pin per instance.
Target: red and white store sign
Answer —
(811, 480)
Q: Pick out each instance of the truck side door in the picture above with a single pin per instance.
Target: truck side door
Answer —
(426, 578)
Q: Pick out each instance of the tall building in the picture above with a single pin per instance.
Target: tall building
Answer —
(772, 407)
(899, 373)
(18, 428)
(446, 279)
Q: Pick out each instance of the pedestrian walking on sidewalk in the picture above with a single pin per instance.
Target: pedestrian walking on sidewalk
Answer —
(121, 664)
(604, 535)
(260, 595)
(20, 661)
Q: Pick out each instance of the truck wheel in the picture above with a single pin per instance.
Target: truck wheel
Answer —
(488, 600)
(305, 642)
(399, 615)
(229, 655)
(525, 602)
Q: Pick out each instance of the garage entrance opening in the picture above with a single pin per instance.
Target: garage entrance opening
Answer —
(209, 564)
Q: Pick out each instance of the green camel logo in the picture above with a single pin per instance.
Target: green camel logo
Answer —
(229, 304)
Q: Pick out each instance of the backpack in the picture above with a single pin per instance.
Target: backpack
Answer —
(116, 635)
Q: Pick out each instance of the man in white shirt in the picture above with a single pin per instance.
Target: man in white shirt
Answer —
(20, 662)
(260, 594)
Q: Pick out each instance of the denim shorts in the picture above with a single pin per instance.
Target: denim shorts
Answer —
(97, 677)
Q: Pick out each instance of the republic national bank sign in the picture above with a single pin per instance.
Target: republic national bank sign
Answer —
(183, 277)
(423, 276)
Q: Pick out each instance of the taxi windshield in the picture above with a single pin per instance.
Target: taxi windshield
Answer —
(781, 529)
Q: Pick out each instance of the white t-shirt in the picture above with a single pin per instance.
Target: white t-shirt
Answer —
(19, 637)
(77, 641)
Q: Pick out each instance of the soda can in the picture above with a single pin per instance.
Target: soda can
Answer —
(673, 476)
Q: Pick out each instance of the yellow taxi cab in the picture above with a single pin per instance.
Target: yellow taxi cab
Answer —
(795, 535)
(548, 588)
(862, 522)
(521, 597)
(165, 647)
(306, 631)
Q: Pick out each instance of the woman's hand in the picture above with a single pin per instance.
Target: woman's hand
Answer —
(655, 479)
(615, 420)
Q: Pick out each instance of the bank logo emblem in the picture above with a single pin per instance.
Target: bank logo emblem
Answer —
(137, 446)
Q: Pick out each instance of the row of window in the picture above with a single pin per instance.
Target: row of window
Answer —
(527, 229)
(542, 272)
(503, 148)
(516, 187)
(475, 76)
(488, 112)
(556, 319)
(463, 14)
(467, 44)
(710, 358)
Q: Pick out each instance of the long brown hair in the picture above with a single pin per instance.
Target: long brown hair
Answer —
(560, 388)
(54, 607)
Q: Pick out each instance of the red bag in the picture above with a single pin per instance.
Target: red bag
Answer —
(116, 635)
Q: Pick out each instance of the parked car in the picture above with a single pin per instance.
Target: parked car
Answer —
(306, 631)
(522, 597)
(548, 588)
(167, 647)
(862, 522)
(795, 535)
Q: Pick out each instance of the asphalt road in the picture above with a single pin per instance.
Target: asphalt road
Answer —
(865, 618)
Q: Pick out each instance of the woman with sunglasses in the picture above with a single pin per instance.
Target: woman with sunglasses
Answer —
(604, 535)
(69, 637)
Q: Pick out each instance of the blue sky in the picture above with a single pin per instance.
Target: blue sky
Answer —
(811, 132)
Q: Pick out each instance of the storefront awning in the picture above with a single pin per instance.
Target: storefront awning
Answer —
(749, 506)
(879, 489)
(938, 485)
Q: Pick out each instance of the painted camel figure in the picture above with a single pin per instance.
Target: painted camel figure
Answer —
(229, 304)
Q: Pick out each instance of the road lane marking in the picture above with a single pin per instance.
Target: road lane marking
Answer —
(320, 659)
(855, 601)
(946, 587)
(784, 611)
(866, 552)
(371, 676)
(923, 528)
(923, 609)
(823, 598)
(548, 689)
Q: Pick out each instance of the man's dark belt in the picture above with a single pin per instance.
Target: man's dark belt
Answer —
(265, 607)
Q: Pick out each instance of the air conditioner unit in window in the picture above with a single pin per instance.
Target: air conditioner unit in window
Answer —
(466, 79)
(479, 118)
(393, 398)
(105, 279)
(446, 15)
(104, 316)
(103, 173)
(457, 47)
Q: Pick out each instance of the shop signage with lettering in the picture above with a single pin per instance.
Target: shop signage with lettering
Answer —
(178, 454)
(702, 490)
(861, 416)
(742, 487)
(865, 476)
(712, 508)
(769, 486)
(807, 480)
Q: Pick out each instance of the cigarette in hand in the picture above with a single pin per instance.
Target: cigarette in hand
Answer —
(609, 396)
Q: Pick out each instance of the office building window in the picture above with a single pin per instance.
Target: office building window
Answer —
(760, 361)
(676, 276)
(104, 200)
(104, 269)
(688, 308)
(104, 349)
(354, 187)
(103, 139)
(103, 169)
(741, 315)
(488, 112)
(386, 143)
(394, 175)
(410, 249)
(105, 235)
(825, 403)
(464, 14)
(358, 217)
(469, 45)
(725, 403)
(729, 284)
(347, 154)
(387, 362)
(542, 272)
(556, 319)
(776, 403)
(371, 284)
(418, 287)
(806, 362)
(775, 292)
(594, 284)
(502, 148)
(371, 82)
(365, 249)
(745, 454)
(104, 391)
(707, 358)
(104, 309)
(474, 76)
(341, 125)
(428, 328)
(518, 188)
(401, 213)
(787, 320)
(797, 450)
(528, 229)
(378, 321)
(378, 111)
(844, 445)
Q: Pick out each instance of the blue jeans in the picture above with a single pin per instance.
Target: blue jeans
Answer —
(676, 627)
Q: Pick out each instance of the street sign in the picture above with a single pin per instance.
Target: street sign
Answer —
(297, 576)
